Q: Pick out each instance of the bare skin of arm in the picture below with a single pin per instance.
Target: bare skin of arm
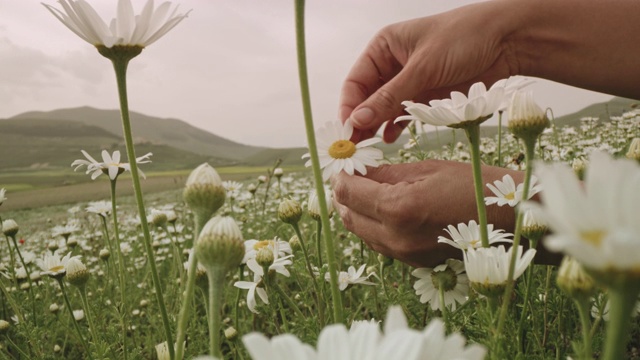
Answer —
(400, 210)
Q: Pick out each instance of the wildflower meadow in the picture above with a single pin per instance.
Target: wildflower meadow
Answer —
(265, 268)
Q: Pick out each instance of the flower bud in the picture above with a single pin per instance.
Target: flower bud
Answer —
(77, 273)
(252, 188)
(294, 242)
(72, 243)
(526, 118)
(264, 257)
(54, 308)
(533, 228)
(573, 280)
(159, 218)
(4, 326)
(385, 260)
(220, 244)
(579, 166)
(313, 205)
(10, 228)
(230, 333)
(53, 246)
(105, 254)
(204, 192)
(289, 211)
(56, 348)
(278, 172)
(634, 150)
(262, 179)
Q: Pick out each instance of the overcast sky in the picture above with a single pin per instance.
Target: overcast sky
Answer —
(229, 68)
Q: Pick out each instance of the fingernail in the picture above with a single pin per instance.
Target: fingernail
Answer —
(363, 117)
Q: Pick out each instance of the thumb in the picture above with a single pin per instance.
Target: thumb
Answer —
(385, 103)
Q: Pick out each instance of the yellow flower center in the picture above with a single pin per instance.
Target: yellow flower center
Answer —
(510, 196)
(593, 237)
(262, 244)
(342, 149)
(55, 269)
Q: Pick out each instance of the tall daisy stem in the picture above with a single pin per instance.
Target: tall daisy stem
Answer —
(319, 303)
(120, 67)
(121, 267)
(26, 269)
(183, 317)
(473, 134)
(73, 319)
(338, 316)
(529, 144)
(499, 163)
(583, 304)
(216, 283)
(622, 300)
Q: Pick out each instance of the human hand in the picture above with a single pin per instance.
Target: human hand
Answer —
(400, 210)
(421, 60)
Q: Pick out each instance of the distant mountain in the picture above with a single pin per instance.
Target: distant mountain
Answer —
(171, 132)
(53, 139)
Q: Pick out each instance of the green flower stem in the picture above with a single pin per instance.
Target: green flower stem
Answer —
(87, 313)
(338, 316)
(319, 303)
(529, 144)
(120, 67)
(121, 268)
(177, 254)
(73, 319)
(216, 291)
(583, 304)
(183, 317)
(500, 138)
(533, 243)
(318, 241)
(445, 311)
(12, 303)
(473, 134)
(236, 303)
(12, 257)
(622, 300)
(287, 299)
(105, 233)
(26, 269)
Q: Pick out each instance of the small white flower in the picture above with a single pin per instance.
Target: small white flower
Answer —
(279, 247)
(126, 29)
(78, 314)
(468, 236)
(351, 277)
(253, 287)
(337, 152)
(490, 266)
(455, 284)
(508, 194)
(110, 164)
(53, 265)
(102, 208)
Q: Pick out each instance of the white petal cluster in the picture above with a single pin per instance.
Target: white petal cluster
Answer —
(351, 277)
(338, 153)
(507, 193)
(428, 289)
(478, 104)
(127, 28)
(110, 164)
(53, 265)
(366, 342)
(595, 222)
(468, 236)
(490, 266)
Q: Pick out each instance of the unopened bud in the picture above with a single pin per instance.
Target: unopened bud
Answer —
(105, 254)
(77, 273)
(264, 257)
(289, 211)
(10, 228)
(220, 244)
(204, 192)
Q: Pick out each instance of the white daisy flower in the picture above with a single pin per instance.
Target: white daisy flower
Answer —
(337, 152)
(488, 268)
(468, 236)
(477, 106)
(351, 277)
(53, 265)
(594, 222)
(507, 193)
(110, 164)
(102, 208)
(127, 29)
(65, 230)
(366, 341)
(279, 247)
(254, 287)
(455, 284)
